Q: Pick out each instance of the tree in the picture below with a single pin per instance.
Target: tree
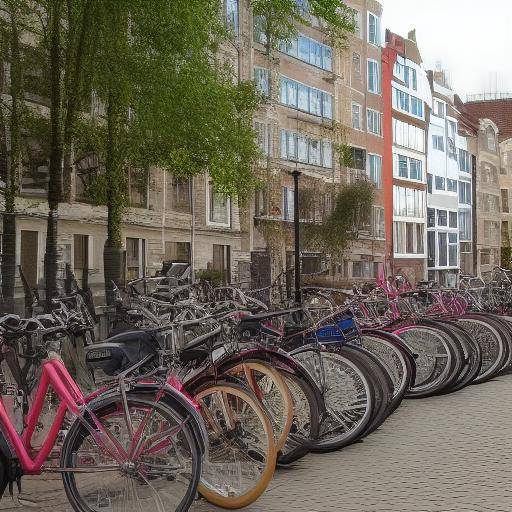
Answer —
(11, 120)
(170, 103)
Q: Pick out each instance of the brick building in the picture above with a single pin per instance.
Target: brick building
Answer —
(409, 100)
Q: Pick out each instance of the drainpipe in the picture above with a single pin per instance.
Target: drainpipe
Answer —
(296, 227)
(192, 231)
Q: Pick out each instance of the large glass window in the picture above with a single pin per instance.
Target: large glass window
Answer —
(232, 15)
(262, 78)
(406, 167)
(356, 116)
(409, 136)
(374, 83)
(308, 50)
(465, 192)
(465, 225)
(309, 99)
(408, 237)
(442, 243)
(409, 202)
(299, 147)
(219, 207)
(373, 29)
(374, 121)
(407, 103)
(375, 169)
(464, 161)
(438, 142)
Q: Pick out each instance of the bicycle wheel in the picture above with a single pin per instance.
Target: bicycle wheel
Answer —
(437, 363)
(271, 390)
(348, 394)
(306, 420)
(398, 360)
(494, 347)
(242, 454)
(160, 465)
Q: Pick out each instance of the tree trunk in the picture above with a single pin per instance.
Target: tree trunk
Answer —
(55, 172)
(13, 164)
(113, 255)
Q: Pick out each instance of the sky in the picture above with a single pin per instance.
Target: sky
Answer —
(471, 39)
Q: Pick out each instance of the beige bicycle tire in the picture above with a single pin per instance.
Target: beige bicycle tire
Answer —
(266, 476)
(283, 388)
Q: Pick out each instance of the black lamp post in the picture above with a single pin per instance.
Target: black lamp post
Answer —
(296, 174)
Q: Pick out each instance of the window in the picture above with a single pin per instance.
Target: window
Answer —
(504, 200)
(440, 183)
(442, 218)
(373, 29)
(485, 257)
(442, 249)
(232, 15)
(378, 222)
(259, 35)
(408, 202)
(452, 249)
(262, 77)
(408, 136)
(411, 78)
(81, 263)
(288, 201)
(465, 225)
(416, 107)
(431, 249)
(308, 50)
(298, 147)
(406, 167)
(451, 185)
(177, 252)
(29, 256)
(87, 170)
(438, 142)
(374, 76)
(138, 187)
(439, 108)
(429, 183)
(356, 65)
(453, 219)
(135, 258)
(431, 218)
(465, 192)
(178, 195)
(374, 121)
(356, 116)
(222, 261)
(408, 238)
(306, 98)
(491, 139)
(375, 169)
(357, 23)
(407, 103)
(464, 161)
(262, 138)
(219, 207)
(358, 159)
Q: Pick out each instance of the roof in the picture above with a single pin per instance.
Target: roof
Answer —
(498, 111)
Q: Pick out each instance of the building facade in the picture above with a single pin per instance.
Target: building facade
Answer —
(409, 101)
(446, 151)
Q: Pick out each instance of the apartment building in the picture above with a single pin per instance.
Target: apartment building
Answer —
(447, 156)
(168, 218)
(467, 143)
(296, 130)
(498, 109)
(408, 97)
(361, 115)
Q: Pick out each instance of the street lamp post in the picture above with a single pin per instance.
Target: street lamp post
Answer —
(296, 227)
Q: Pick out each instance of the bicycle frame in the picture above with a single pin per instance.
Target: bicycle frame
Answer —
(55, 375)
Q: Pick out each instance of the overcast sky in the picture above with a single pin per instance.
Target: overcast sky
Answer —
(472, 39)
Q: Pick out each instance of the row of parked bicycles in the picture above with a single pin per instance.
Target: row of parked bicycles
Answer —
(203, 390)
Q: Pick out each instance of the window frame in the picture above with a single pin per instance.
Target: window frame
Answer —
(209, 198)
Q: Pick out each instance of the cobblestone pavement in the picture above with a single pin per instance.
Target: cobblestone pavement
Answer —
(450, 453)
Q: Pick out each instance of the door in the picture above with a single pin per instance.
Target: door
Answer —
(28, 256)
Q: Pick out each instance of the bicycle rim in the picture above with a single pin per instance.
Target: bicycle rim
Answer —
(241, 455)
(160, 475)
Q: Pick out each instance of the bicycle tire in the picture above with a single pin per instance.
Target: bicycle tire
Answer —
(210, 491)
(78, 433)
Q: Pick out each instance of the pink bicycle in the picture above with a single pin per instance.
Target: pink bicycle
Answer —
(134, 446)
